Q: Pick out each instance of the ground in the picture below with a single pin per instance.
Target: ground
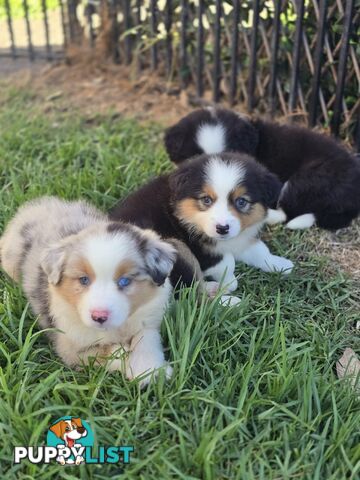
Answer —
(254, 393)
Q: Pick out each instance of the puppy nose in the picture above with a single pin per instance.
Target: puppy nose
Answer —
(222, 229)
(100, 316)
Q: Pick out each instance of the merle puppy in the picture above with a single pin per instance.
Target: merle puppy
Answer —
(321, 179)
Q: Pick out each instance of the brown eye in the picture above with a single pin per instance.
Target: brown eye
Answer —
(67, 429)
(207, 201)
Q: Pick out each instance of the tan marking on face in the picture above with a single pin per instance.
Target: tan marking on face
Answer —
(256, 214)
(188, 211)
(209, 192)
(124, 269)
(240, 191)
(142, 292)
(70, 287)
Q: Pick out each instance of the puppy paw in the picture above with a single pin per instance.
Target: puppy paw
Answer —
(280, 264)
(79, 460)
(231, 285)
(275, 216)
(302, 221)
(229, 300)
(212, 288)
(150, 367)
(153, 374)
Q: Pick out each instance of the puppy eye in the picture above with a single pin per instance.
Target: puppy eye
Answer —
(206, 200)
(84, 281)
(67, 429)
(241, 203)
(123, 282)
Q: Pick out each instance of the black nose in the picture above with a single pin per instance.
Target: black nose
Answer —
(222, 229)
(98, 319)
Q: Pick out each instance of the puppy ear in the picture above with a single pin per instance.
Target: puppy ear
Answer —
(174, 140)
(52, 262)
(58, 429)
(242, 134)
(271, 188)
(178, 180)
(159, 257)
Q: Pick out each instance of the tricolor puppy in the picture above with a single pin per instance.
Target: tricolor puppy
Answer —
(216, 205)
(320, 178)
(69, 431)
(103, 284)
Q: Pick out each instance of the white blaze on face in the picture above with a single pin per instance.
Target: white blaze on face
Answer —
(211, 138)
(105, 254)
(223, 178)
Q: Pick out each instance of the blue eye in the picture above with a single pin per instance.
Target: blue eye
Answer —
(123, 282)
(241, 203)
(206, 200)
(84, 281)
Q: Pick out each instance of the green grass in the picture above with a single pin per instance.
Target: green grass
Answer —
(35, 8)
(254, 393)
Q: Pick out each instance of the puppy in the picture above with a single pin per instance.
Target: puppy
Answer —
(320, 177)
(216, 205)
(104, 285)
(69, 431)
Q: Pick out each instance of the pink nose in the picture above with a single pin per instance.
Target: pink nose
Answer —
(100, 316)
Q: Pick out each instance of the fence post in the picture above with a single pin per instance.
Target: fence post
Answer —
(128, 24)
(138, 34)
(11, 32)
(318, 59)
(217, 64)
(28, 30)
(296, 55)
(46, 28)
(183, 47)
(168, 41)
(341, 72)
(153, 22)
(274, 54)
(234, 52)
(200, 51)
(253, 54)
(63, 23)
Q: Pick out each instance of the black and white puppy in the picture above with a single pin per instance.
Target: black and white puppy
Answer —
(321, 179)
(216, 205)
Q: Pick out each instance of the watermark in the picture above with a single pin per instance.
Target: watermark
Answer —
(70, 441)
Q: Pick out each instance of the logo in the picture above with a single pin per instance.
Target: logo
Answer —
(70, 441)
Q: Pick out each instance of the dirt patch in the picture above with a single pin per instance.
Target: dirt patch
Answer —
(94, 87)
(343, 248)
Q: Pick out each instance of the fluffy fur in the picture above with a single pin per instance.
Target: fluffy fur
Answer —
(216, 205)
(72, 262)
(320, 177)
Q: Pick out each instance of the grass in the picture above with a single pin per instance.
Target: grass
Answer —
(254, 393)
